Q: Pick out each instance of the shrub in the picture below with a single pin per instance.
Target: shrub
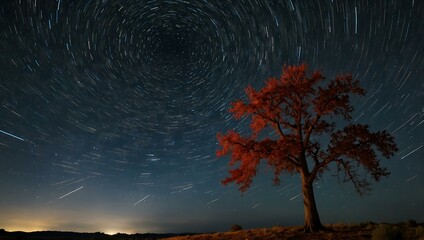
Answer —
(277, 228)
(419, 232)
(411, 223)
(236, 228)
(387, 232)
(367, 225)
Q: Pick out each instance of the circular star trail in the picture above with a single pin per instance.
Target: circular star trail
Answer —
(111, 108)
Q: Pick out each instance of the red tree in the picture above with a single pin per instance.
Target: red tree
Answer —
(300, 109)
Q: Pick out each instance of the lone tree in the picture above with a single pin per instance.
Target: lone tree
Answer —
(299, 109)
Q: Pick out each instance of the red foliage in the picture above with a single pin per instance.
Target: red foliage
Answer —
(299, 108)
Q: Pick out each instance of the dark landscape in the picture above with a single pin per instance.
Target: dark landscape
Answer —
(59, 235)
(409, 230)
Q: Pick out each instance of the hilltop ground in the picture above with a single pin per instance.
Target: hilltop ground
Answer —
(405, 231)
(408, 230)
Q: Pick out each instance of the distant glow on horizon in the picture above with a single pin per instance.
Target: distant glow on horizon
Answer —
(112, 232)
(35, 226)
(42, 220)
(26, 226)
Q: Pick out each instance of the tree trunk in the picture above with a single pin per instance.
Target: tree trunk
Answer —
(312, 221)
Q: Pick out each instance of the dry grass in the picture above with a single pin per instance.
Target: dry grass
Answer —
(335, 231)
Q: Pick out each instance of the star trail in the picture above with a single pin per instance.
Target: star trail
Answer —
(110, 108)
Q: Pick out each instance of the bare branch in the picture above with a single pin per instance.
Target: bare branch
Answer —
(361, 185)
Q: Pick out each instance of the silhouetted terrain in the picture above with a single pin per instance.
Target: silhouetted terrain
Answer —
(362, 231)
(57, 235)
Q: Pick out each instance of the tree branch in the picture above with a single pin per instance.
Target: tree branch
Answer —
(360, 186)
(294, 160)
(310, 129)
(279, 128)
(319, 165)
(278, 123)
(290, 158)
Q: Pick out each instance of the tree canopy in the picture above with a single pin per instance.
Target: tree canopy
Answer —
(302, 110)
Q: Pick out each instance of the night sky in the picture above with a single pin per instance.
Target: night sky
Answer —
(110, 108)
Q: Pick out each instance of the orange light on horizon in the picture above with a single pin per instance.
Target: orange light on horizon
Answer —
(64, 221)
(25, 228)
(112, 232)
